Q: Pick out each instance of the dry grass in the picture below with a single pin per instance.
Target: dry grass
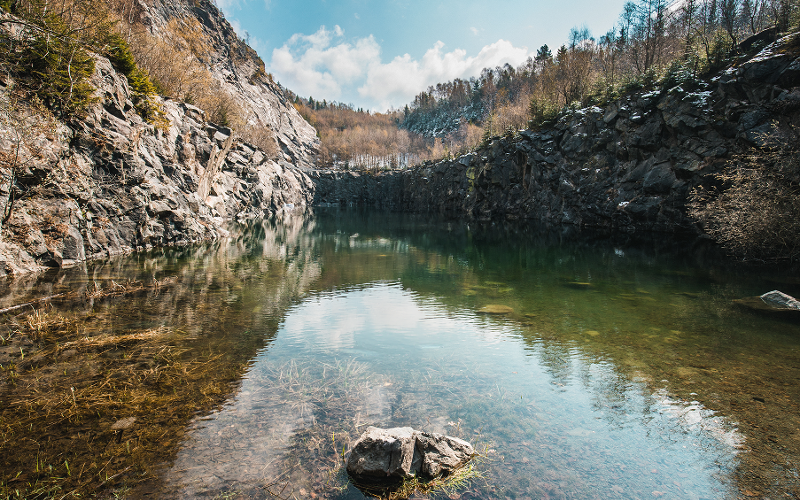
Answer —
(449, 486)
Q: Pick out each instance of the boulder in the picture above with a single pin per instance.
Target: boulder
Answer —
(388, 456)
(441, 455)
(384, 455)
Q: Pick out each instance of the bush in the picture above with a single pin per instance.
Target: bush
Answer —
(53, 67)
(718, 53)
(680, 72)
(144, 90)
(755, 211)
(541, 112)
(263, 138)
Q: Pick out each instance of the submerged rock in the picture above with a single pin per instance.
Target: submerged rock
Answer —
(495, 309)
(388, 456)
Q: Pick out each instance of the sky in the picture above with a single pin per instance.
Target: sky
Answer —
(379, 54)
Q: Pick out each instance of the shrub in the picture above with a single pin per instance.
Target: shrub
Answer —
(263, 138)
(754, 212)
(718, 53)
(541, 112)
(53, 67)
(144, 90)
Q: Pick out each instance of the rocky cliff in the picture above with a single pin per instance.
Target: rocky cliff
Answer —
(239, 71)
(629, 166)
(110, 183)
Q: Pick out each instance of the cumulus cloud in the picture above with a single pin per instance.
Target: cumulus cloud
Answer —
(325, 65)
(228, 6)
(314, 65)
(399, 81)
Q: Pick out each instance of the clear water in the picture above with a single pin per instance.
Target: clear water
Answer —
(615, 370)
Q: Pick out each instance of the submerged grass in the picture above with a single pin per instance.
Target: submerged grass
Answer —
(323, 407)
(449, 486)
(86, 409)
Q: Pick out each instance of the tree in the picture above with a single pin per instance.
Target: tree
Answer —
(648, 34)
(729, 16)
(748, 15)
(23, 126)
(544, 57)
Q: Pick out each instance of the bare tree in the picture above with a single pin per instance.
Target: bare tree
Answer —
(23, 127)
(729, 16)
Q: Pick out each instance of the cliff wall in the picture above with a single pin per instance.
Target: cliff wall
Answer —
(239, 71)
(110, 183)
(630, 166)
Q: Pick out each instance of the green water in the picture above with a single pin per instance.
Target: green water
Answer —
(617, 369)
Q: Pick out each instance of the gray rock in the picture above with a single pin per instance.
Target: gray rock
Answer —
(384, 455)
(387, 456)
(780, 300)
(442, 455)
(660, 179)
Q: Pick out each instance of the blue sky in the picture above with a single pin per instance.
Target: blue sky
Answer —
(379, 54)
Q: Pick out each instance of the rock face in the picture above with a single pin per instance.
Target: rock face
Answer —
(386, 456)
(240, 72)
(629, 166)
(111, 183)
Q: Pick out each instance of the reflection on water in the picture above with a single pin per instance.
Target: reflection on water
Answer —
(583, 367)
(586, 433)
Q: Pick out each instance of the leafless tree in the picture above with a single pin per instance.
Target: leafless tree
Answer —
(23, 127)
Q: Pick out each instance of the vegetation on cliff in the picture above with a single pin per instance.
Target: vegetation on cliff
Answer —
(754, 208)
(51, 48)
(655, 42)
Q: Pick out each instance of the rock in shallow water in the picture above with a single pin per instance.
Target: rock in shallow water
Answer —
(773, 303)
(781, 300)
(387, 456)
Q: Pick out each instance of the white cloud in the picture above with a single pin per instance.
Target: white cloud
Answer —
(312, 65)
(326, 66)
(229, 6)
(474, 30)
(397, 82)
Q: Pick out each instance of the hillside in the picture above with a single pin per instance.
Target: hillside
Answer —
(652, 40)
(202, 28)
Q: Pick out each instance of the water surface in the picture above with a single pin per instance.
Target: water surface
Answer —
(616, 369)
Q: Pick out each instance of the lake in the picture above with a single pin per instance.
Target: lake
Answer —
(579, 365)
